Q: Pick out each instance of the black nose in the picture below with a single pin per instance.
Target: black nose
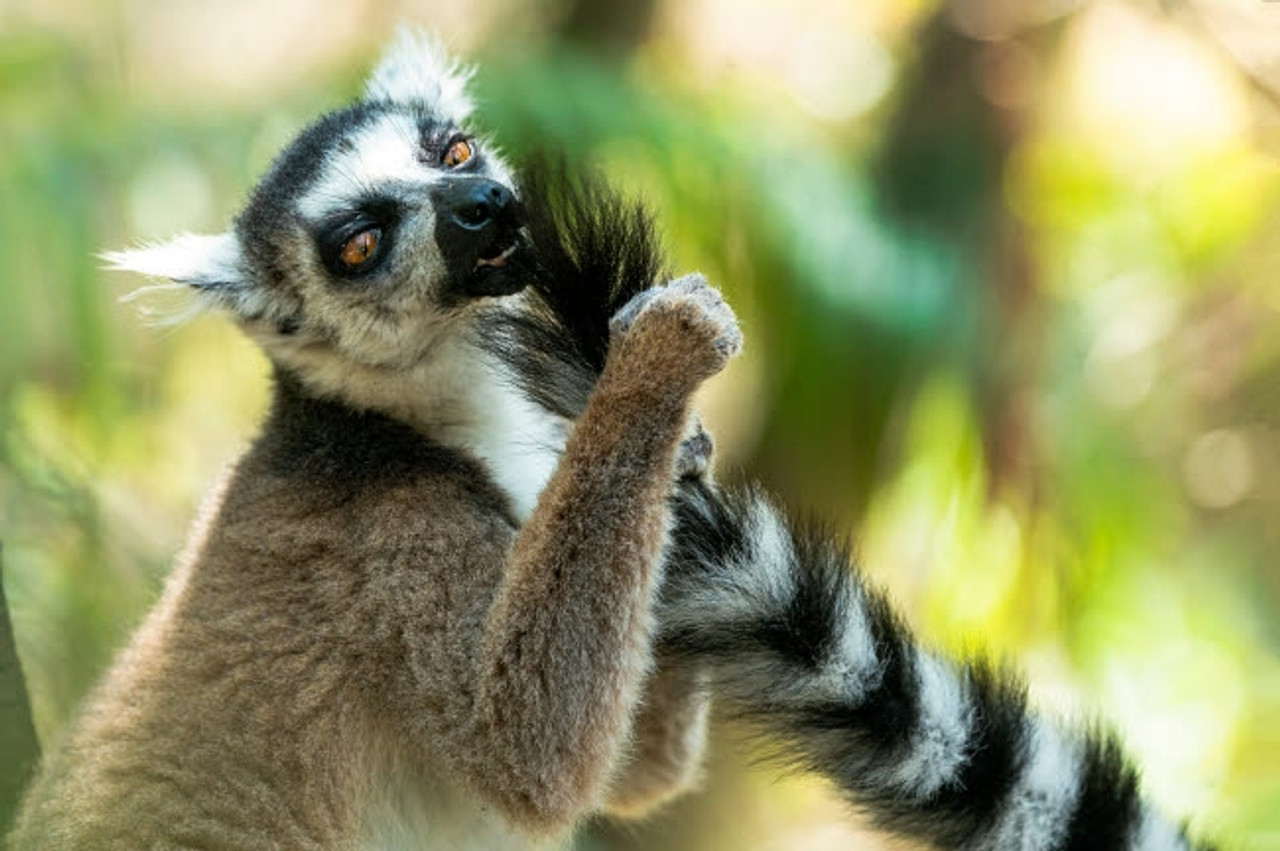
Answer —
(474, 203)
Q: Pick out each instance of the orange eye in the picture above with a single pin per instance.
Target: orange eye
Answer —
(360, 248)
(459, 152)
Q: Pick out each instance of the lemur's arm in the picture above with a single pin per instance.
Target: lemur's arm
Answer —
(669, 733)
(566, 647)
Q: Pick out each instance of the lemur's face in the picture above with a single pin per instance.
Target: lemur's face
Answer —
(371, 232)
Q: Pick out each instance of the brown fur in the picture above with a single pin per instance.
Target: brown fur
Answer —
(670, 737)
(362, 630)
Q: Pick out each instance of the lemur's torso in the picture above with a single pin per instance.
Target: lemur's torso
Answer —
(379, 532)
(311, 672)
(355, 506)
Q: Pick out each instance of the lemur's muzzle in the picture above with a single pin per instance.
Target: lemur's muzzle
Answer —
(478, 229)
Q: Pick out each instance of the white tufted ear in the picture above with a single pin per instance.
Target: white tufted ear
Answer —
(203, 262)
(416, 68)
(211, 268)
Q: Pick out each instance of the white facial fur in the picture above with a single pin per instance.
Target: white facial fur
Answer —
(387, 151)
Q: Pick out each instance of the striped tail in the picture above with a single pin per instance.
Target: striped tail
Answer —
(928, 748)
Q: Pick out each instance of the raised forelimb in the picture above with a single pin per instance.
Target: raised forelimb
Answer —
(567, 646)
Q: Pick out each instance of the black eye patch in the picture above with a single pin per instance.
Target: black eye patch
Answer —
(334, 234)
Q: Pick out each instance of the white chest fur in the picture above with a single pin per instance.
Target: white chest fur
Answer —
(416, 816)
(519, 442)
(458, 394)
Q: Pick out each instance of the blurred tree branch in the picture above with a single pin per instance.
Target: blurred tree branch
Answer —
(962, 114)
(19, 748)
(617, 28)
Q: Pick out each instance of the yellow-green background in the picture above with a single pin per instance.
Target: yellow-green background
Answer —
(1008, 273)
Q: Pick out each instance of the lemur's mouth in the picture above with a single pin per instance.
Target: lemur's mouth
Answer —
(497, 269)
(500, 259)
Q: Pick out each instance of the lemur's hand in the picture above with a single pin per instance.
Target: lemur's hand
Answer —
(693, 459)
(688, 319)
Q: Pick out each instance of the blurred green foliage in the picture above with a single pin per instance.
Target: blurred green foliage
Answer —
(1012, 324)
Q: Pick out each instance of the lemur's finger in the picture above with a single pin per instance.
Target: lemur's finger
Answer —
(694, 457)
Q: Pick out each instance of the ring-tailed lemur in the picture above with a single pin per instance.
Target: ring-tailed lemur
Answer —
(419, 612)
(335, 582)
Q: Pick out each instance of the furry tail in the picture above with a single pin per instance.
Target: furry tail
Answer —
(932, 749)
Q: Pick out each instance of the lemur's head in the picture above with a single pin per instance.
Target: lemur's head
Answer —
(370, 233)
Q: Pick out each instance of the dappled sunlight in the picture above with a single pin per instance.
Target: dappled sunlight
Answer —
(824, 54)
(1145, 93)
(1007, 273)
